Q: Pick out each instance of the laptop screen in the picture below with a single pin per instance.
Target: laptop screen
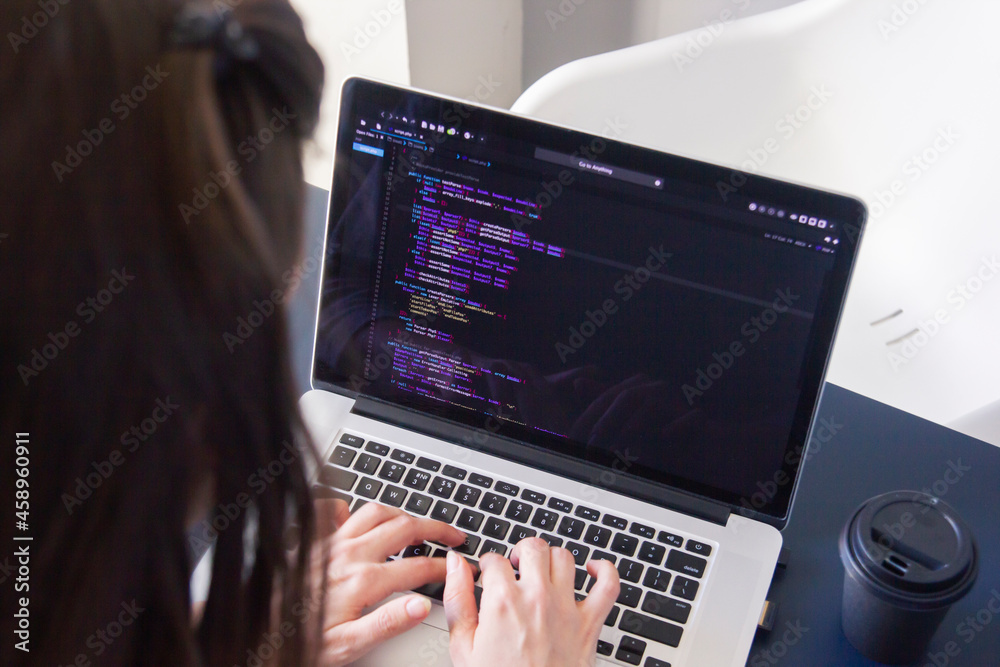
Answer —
(665, 318)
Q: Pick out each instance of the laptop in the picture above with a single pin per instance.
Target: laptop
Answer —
(528, 330)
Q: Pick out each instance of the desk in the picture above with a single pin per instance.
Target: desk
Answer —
(877, 449)
(881, 449)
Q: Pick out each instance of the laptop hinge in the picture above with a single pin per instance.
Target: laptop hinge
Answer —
(492, 442)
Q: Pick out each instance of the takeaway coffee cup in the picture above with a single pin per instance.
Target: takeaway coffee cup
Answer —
(907, 558)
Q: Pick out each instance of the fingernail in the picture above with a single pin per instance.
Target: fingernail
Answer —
(452, 559)
(418, 607)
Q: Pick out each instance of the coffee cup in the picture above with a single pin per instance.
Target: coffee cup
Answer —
(907, 556)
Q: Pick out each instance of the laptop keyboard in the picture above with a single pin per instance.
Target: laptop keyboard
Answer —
(661, 570)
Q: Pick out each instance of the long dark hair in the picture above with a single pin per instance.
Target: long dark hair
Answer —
(150, 200)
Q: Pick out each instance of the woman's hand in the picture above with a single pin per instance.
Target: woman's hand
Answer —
(358, 575)
(533, 621)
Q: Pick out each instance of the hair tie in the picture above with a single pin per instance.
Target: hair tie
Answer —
(201, 26)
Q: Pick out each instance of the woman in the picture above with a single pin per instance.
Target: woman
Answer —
(150, 193)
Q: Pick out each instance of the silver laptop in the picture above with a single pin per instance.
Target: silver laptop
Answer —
(527, 330)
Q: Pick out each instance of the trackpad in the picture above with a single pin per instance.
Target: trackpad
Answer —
(424, 645)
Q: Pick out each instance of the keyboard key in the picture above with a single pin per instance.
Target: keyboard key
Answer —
(664, 607)
(670, 538)
(442, 487)
(629, 570)
(520, 533)
(393, 495)
(653, 662)
(469, 520)
(481, 480)
(440, 553)
(597, 536)
(428, 464)
(467, 495)
(612, 616)
(656, 579)
(604, 648)
(571, 528)
(686, 563)
(587, 513)
(352, 440)
(552, 540)
(342, 456)
(629, 595)
(560, 505)
(327, 492)
(603, 555)
(444, 511)
(377, 449)
(581, 577)
(454, 473)
(417, 550)
(507, 489)
(614, 522)
(368, 487)
(544, 519)
(419, 504)
(367, 464)
(391, 471)
(579, 552)
(337, 478)
(684, 588)
(624, 544)
(492, 503)
(698, 548)
(533, 496)
(630, 650)
(496, 528)
(401, 456)
(518, 511)
(470, 545)
(493, 547)
(652, 553)
(651, 628)
(642, 531)
(417, 479)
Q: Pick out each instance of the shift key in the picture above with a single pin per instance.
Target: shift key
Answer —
(651, 628)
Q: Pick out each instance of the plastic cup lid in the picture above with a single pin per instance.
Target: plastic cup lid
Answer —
(913, 544)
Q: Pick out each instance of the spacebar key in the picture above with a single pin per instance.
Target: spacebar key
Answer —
(651, 628)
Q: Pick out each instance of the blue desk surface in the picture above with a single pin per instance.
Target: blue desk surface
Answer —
(876, 449)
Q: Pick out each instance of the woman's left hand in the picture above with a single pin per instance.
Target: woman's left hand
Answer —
(358, 575)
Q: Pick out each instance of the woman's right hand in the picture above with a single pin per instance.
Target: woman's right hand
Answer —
(531, 621)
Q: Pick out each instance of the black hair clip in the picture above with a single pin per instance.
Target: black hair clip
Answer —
(202, 26)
